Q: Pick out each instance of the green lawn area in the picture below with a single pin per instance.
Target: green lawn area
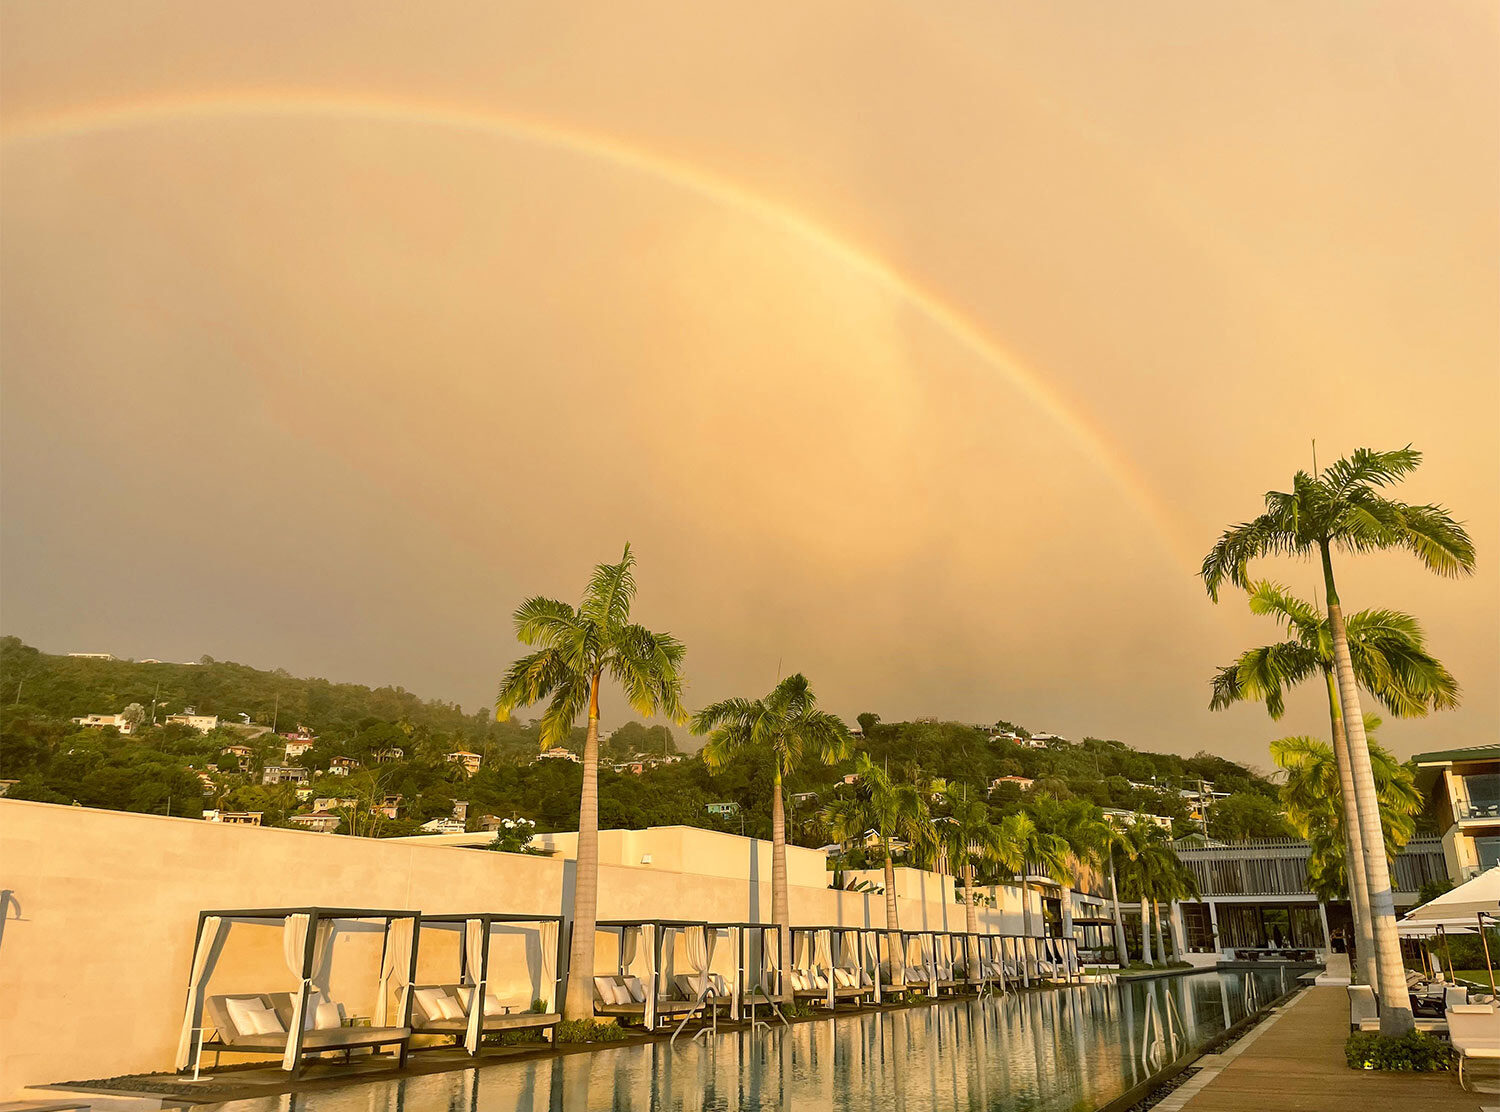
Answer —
(1477, 976)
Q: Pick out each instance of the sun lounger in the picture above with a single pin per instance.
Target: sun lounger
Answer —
(443, 1010)
(635, 1006)
(258, 1022)
(1364, 1013)
(1474, 1030)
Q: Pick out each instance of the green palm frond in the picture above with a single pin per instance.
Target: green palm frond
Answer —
(786, 721)
(578, 647)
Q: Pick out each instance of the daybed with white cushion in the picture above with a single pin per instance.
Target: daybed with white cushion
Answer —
(444, 1010)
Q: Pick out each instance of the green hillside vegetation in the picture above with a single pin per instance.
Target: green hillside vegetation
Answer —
(157, 769)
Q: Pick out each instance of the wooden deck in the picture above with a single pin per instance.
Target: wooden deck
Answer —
(1294, 1062)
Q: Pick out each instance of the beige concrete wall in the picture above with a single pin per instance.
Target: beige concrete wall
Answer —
(101, 907)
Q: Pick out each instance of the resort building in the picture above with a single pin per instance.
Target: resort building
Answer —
(335, 803)
(394, 753)
(1022, 782)
(93, 656)
(203, 723)
(233, 818)
(469, 761)
(442, 826)
(283, 774)
(1254, 897)
(341, 766)
(99, 721)
(723, 810)
(557, 753)
(323, 822)
(390, 807)
(1462, 787)
(1122, 817)
(296, 747)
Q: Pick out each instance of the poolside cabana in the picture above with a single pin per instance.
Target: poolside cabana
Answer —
(812, 978)
(646, 954)
(504, 965)
(760, 976)
(1094, 941)
(857, 959)
(947, 950)
(920, 961)
(306, 1020)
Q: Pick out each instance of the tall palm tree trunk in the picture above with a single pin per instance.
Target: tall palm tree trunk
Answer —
(971, 924)
(1354, 874)
(1146, 931)
(893, 921)
(1395, 1004)
(579, 1001)
(1161, 947)
(780, 913)
(1121, 946)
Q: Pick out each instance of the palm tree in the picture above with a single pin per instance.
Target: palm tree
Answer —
(1114, 847)
(1343, 508)
(969, 837)
(789, 724)
(1024, 848)
(576, 649)
(1309, 794)
(893, 811)
(1092, 839)
(1390, 660)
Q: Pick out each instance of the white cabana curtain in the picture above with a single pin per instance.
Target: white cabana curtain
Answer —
(475, 931)
(770, 961)
(698, 944)
(400, 936)
(473, 972)
(203, 961)
(630, 940)
(547, 933)
(823, 950)
(293, 947)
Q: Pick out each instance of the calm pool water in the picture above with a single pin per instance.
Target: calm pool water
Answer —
(1065, 1050)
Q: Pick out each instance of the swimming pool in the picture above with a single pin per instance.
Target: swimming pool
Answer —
(1064, 1050)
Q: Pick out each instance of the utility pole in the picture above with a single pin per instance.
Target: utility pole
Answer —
(276, 714)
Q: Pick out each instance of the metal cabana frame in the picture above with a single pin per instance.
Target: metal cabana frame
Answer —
(475, 974)
(307, 944)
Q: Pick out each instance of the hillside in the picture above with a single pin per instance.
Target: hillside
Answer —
(174, 768)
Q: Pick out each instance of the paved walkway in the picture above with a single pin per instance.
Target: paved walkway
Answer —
(1294, 1062)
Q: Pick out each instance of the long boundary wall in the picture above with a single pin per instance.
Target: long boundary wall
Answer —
(100, 909)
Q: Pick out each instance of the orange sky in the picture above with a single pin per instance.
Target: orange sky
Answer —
(922, 348)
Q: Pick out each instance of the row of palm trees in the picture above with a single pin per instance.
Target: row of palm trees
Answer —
(1344, 509)
(576, 648)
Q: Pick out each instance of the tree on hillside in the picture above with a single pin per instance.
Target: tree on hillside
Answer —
(789, 724)
(1344, 509)
(1245, 817)
(576, 649)
(1390, 660)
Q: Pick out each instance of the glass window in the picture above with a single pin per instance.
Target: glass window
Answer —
(1489, 852)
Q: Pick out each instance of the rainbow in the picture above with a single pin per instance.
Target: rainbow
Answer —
(21, 128)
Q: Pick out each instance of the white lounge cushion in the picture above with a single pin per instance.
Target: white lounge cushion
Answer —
(636, 989)
(438, 1004)
(492, 1003)
(846, 978)
(607, 989)
(327, 1016)
(251, 1017)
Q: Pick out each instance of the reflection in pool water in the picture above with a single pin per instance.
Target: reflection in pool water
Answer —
(1063, 1050)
